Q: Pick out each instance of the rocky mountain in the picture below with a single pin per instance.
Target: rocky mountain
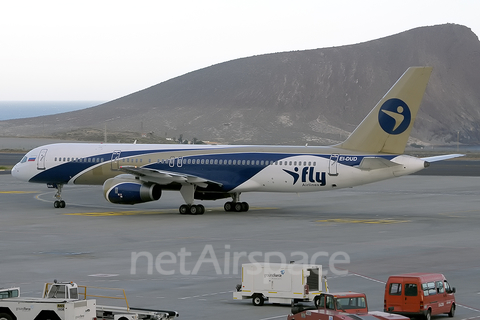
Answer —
(317, 96)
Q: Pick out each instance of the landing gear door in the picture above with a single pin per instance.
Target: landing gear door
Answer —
(332, 165)
(116, 159)
(41, 159)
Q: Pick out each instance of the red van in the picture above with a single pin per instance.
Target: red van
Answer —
(414, 294)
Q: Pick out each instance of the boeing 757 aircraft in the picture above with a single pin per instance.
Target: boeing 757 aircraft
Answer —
(135, 173)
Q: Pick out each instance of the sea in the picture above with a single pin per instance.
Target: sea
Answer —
(26, 109)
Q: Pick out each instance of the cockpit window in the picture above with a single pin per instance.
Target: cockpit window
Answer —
(24, 159)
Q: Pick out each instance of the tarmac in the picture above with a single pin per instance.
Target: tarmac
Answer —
(191, 264)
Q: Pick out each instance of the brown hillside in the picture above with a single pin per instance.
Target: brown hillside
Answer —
(296, 97)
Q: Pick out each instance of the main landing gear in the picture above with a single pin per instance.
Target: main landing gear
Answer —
(236, 205)
(59, 203)
(188, 192)
(191, 209)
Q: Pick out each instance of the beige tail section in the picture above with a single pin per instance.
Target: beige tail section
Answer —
(387, 127)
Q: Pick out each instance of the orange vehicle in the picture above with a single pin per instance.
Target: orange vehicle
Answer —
(424, 294)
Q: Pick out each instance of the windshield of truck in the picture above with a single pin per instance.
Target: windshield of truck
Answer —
(351, 303)
(57, 291)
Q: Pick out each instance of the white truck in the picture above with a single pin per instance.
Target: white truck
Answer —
(68, 301)
(279, 283)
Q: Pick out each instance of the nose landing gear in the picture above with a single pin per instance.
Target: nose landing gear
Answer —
(59, 203)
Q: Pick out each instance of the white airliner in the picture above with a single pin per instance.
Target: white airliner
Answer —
(135, 173)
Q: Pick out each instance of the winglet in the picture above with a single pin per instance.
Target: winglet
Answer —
(387, 127)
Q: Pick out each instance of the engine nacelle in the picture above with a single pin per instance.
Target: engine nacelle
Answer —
(126, 189)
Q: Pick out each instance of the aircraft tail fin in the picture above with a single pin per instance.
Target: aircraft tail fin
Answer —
(387, 127)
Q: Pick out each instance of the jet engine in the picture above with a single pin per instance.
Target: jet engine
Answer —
(127, 189)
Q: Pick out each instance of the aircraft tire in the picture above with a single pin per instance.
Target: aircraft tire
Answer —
(245, 206)
(228, 206)
(193, 209)
(238, 207)
(56, 204)
(201, 209)
(62, 204)
(183, 209)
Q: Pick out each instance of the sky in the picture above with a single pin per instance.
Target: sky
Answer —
(101, 50)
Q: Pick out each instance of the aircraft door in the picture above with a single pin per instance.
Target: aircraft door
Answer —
(41, 159)
(116, 159)
(332, 165)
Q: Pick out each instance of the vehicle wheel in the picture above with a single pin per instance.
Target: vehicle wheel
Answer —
(258, 300)
(5, 316)
(238, 207)
(245, 206)
(56, 204)
(228, 206)
(201, 209)
(428, 315)
(452, 311)
(193, 209)
(183, 209)
(62, 204)
(316, 301)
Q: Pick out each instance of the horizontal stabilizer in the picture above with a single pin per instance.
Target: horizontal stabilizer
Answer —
(373, 163)
(444, 157)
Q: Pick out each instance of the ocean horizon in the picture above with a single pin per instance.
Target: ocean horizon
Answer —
(25, 109)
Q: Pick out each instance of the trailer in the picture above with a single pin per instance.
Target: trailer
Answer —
(68, 301)
(279, 283)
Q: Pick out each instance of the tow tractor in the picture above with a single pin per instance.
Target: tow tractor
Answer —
(68, 301)
(340, 306)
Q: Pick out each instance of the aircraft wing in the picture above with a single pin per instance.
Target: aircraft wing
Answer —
(166, 177)
(443, 157)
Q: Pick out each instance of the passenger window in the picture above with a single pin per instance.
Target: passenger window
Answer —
(243, 162)
(411, 289)
(216, 161)
(295, 163)
(425, 289)
(261, 163)
(440, 288)
(234, 162)
(431, 288)
(395, 289)
(314, 163)
(290, 163)
(229, 161)
(309, 163)
(257, 162)
(248, 162)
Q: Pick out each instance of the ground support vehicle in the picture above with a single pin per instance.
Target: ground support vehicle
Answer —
(340, 306)
(419, 294)
(68, 301)
(279, 283)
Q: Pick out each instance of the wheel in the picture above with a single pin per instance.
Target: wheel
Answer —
(245, 206)
(258, 300)
(316, 301)
(428, 315)
(5, 316)
(238, 207)
(56, 204)
(452, 311)
(193, 209)
(228, 206)
(201, 209)
(62, 204)
(183, 209)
